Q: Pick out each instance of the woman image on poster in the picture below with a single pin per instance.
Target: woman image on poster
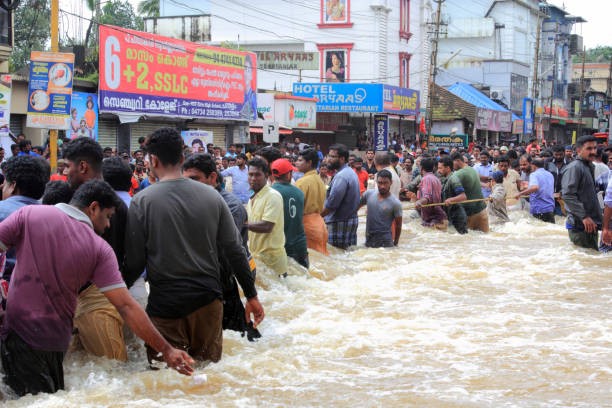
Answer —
(249, 107)
(334, 10)
(335, 67)
(74, 123)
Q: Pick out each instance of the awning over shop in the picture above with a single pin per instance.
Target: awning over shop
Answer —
(473, 96)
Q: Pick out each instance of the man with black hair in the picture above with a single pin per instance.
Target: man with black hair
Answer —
(119, 175)
(56, 192)
(99, 328)
(342, 203)
(240, 178)
(25, 180)
(484, 169)
(202, 168)
(176, 228)
(541, 191)
(38, 323)
(451, 187)
(266, 219)
(25, 149)
(584, 217)
(384, 213)
(430, 192)
(476, 211)
(382, 160)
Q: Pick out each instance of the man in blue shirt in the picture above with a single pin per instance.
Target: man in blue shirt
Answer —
(240, 178)
(25, 147)
(484, 169)
(342, 202)
(26, 177)
(541, 192)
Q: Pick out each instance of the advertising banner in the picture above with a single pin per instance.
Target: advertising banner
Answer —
(527, 116)
(265, 106)
(381, 133)
(497, 121)
(5, 105)
(448, 141)
(342, 97)
(287, 60)
(84, 115)
(400, 101)
(149, 74)
(197, 139)
(298, 114)
(49, 91)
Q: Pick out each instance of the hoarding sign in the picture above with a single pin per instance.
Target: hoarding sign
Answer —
(265, 107)
(5, 104)
(197, 139)
(49, 90)
(400, 101)
(448, 141)
(84, 115)
(149, 74)
(381, 133)
(527, 116)
(342, 97)
(497, 121)
(299, 114)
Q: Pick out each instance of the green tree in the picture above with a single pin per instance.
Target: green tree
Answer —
(121, 14)
(149, 8)
(597, 54)
(32, 31)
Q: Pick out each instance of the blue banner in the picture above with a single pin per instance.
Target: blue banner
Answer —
(342, 97)
(381, 133)
(84, 115)
(527, 116)
(400, 101)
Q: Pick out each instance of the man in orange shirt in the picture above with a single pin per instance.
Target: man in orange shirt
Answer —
(362, 175)
(59, 176)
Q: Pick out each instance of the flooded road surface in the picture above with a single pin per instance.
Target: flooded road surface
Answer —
(518, 317)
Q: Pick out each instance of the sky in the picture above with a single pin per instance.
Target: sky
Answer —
(598, 14)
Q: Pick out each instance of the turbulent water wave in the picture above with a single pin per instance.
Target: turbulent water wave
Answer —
(516, 317)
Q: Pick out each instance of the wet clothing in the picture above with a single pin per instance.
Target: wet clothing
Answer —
(380, 216)
(430, 191)
(484, 171)
(7, 207)
(542, 201)
(293, 210)
(44, 286)
(314, 198)
(343, 234)
(343, 201)
(511, 187)
(183, 272)
(269, 248)
(451, 187)
(471, 184)
(30, 371)
(579, 194)
(497, 206)
(478, 221)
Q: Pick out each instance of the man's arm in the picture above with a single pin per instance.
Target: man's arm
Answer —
(398, 229)
(606, 236)
(135, 245)
(336, 194)
(263, 227)
(141, 325)
(569, 192)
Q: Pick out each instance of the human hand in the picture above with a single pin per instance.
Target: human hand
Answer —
(606, 236)
(256, 309)
(589, 225)
(178, 360)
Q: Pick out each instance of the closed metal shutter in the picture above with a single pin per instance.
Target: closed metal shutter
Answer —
(107, 133)
(144, 129)
(16, 124)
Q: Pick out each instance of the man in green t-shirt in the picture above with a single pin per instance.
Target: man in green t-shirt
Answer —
(293, 208)
(476, 211)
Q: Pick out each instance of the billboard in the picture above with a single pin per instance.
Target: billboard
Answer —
(287, 60)
(197, 139)
(400, 101)
(527, 116)
(149, 74)
(84, 115)
(342, 97)
(497, 121)
(49, 90)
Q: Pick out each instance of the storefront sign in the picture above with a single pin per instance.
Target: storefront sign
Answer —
(197, 139)
(298, 114)
(517, 126)
(497, 121)
(265, 107)
(400, 101)
(149, 74)
(527, 116)
(381, 133)
(342, 97)
(448, 141)
(5, 104)
(49, 90)
(287, 60)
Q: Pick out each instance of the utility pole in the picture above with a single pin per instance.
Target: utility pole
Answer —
(609, 100)
(433, 69)
(581, 93)
(54, 48)
(536, 63)
(552, 89)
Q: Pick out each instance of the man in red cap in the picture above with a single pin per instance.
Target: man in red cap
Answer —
(293, 208)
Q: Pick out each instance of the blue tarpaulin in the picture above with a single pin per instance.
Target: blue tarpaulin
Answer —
(474, 97)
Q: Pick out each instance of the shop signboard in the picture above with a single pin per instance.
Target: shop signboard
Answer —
(381, 133)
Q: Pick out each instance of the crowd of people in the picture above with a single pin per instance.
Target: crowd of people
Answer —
(161, 239)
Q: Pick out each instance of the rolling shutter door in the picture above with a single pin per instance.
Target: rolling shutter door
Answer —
(144, 129)
(107, 133)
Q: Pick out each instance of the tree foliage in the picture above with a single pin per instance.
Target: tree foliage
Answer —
(597, 54)
(121, 14)
(32, 31)
(149, 8)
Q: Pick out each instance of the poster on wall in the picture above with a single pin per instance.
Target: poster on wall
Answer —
(49, 90)
(5, 105)
(84, 115)
(334, 11)
(197, 139)
(148, 74)
(335, 68)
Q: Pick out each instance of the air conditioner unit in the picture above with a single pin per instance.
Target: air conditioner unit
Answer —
(497, 94)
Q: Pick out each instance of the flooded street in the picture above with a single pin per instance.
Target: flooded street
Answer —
(518, 317)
